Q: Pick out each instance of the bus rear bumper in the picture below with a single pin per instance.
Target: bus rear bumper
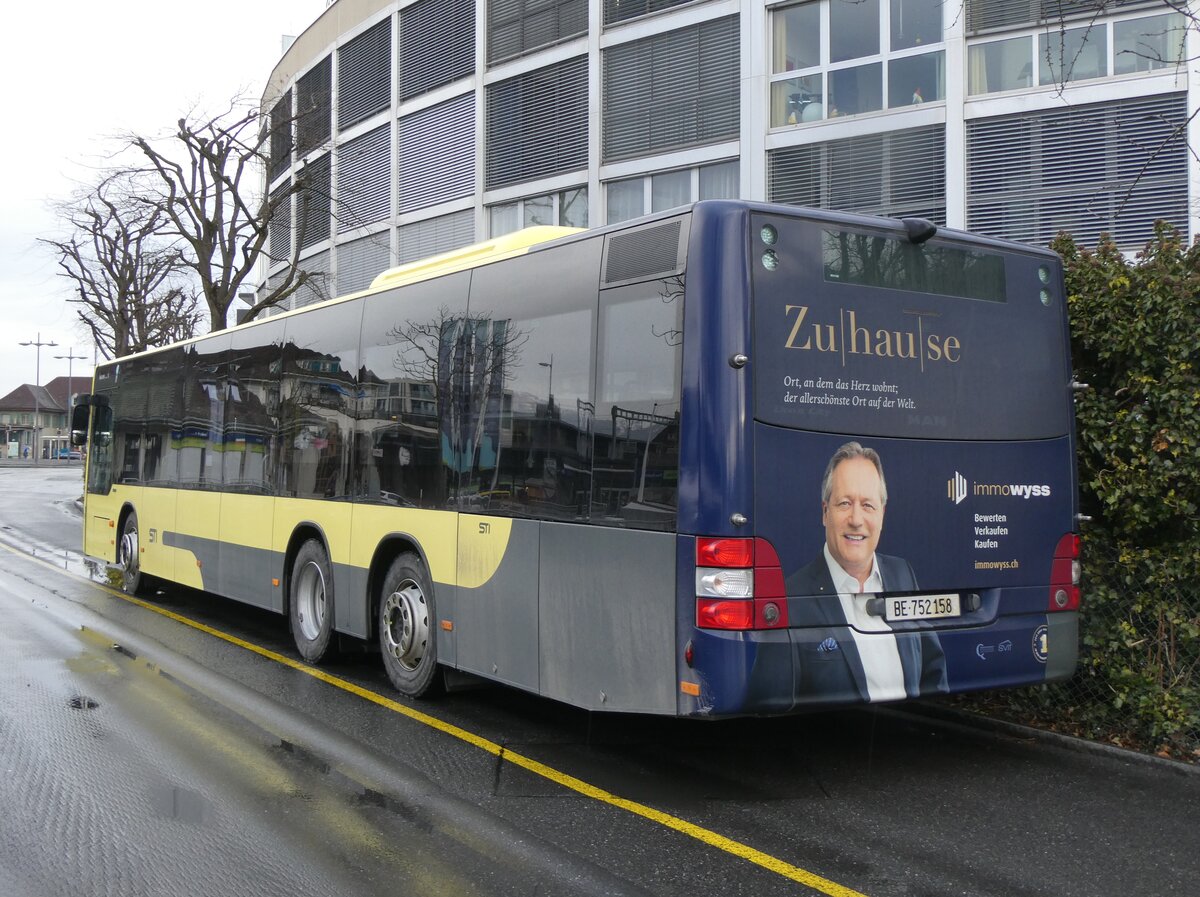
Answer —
(786, 671)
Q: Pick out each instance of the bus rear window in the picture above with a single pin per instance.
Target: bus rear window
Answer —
(871, 260)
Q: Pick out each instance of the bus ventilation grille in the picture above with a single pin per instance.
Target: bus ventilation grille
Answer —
(643, 254)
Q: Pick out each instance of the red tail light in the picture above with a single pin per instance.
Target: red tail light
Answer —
(739, 585)
(1064, 575)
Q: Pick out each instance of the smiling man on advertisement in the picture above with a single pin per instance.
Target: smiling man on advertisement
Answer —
(864, 656)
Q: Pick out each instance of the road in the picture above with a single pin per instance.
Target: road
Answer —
(179, 746)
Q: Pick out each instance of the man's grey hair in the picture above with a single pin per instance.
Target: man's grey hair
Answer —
(845, 453)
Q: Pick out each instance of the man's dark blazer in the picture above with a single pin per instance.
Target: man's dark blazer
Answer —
(827, 661)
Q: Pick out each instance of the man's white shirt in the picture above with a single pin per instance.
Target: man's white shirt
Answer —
(879, 654)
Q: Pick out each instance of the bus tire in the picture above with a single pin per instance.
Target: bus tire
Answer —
(406, 624)
(310, 601)
(129, 561)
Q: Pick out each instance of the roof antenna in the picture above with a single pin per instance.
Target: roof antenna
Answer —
(918, 229)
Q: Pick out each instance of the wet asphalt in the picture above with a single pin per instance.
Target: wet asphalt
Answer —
(139, 755)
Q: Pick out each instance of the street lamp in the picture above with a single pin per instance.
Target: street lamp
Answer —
(37, 408)
(70, 389)
(550, 385)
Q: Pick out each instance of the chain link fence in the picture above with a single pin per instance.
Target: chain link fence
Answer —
(1138, 680)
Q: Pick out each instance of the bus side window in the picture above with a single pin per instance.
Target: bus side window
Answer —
(637, 408)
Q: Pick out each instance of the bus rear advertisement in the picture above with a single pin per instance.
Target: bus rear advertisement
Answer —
(731, 459)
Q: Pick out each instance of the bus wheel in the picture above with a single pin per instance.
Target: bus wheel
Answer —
(129, 561)
(310, 605)
(407, 636)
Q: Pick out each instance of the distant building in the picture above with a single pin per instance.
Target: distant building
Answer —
(424, 126)
(37, 418)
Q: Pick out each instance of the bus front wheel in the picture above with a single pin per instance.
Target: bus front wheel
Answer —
(407, 634)
(128, 556)
(310, 605)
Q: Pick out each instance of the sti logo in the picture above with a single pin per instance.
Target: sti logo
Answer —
(956, 488)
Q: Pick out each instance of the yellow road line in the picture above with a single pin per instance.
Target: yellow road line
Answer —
(706, 836)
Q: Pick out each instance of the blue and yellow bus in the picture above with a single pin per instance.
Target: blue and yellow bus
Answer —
(735, 458)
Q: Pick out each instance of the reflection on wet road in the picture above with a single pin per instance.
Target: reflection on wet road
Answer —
(123, 778)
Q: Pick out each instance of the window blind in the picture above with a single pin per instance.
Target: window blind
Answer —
(364, 75)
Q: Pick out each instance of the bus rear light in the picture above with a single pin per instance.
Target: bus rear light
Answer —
(724, 553)
(739, 585)
(1064, 575)
(712, 613)
(716, 582)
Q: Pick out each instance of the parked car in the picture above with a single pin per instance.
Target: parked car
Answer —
(69, 454)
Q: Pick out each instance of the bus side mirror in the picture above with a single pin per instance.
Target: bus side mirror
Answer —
(80, 415)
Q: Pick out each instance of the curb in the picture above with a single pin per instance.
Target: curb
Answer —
(954, 718)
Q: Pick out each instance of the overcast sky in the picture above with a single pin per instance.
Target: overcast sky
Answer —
(75, 74)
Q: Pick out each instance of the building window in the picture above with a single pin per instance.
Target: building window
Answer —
(437, 45)
(359, 262)
(633, 197)
(364, 182)
(537, 124)
(988, 15)
(364, 75)
(1072, 54)
(672, 90)
(279, 226)
(1113, 167)
(437, 154)
(516, 27)
(313, 206)
(314, 110)
(566, 208)
(896, 174)
(433, 236)
(833, 58)
(1063, 55)
(281, 136)
(616, 11)
(1148, 44)
(670, 189)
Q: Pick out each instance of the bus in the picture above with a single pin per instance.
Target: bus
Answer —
(735, 458)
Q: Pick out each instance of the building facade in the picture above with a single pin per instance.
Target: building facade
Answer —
(34, 420)
(424, 125)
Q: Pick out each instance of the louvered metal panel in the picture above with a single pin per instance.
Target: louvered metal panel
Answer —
(313, 205)
(537, 124)
(279, 228)
(314, 112)
(316, 288)
(897, 174)
(645, 253)
(281, 136)
(624, 10)
(361, 261)
(436, 235)
(437, 45)
(365, 75)
(987, 15)
(437, 154)
(1112, 167)
(516, 27)
(672, 90)
(364, 179)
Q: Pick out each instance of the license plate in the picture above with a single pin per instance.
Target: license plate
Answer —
(921, 607)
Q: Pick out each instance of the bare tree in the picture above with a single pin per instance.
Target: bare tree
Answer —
(128, 277)
(206, 181)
